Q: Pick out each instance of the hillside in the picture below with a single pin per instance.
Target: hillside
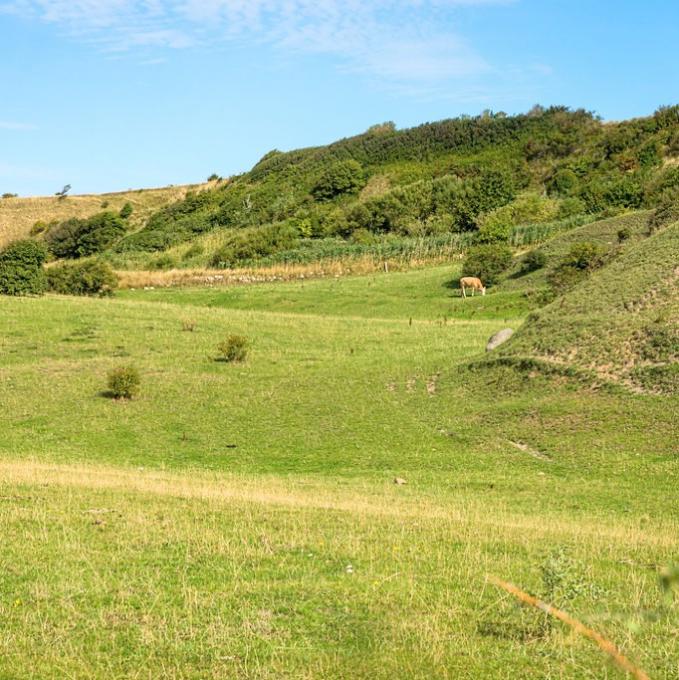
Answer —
(421, 192)
(18, 215)
(388, 187)
(622, 322)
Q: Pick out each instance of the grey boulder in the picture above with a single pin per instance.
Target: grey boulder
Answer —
(498, 338)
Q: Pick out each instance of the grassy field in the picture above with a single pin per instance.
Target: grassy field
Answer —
(18, 215)
(241, 521)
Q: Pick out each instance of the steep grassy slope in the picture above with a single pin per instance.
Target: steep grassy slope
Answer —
(18, 215)
(601, 233)
(622, 323)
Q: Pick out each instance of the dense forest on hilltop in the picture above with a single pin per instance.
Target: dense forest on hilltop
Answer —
(479, 175)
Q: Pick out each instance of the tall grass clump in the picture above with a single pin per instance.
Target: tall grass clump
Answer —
(233, 350)
(124, 382)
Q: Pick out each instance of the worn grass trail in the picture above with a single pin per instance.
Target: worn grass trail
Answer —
(241, 521)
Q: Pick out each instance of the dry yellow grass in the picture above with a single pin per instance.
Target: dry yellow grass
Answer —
(18, 215)
(360, 498)
(282, 272)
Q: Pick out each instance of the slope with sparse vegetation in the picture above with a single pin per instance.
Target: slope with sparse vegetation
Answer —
(22, 216)
(621, 322)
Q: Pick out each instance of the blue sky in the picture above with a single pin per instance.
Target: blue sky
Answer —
(117, 94)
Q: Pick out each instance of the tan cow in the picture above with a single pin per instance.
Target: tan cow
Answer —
(473, 283)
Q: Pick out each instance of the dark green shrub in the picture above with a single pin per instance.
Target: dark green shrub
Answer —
(39, 227)
(665, 187)
(666, 213)
(164, 261)
(584, 255)
(572, 206)
(364, 237)
(532, 261)
(659, 341)
(626, 192)
(194, 251)
(564, 182)
(21, 268)
(344, 177)
(252, 244)
(233, 350)
(126, 211)
(76, 238)
(582, 258)
(562, 279)
(9, 195)
(104, 205)
(493, 232)
(649, 155)
(124, 382)
(487, 261)
(624, 234)
(82, 278)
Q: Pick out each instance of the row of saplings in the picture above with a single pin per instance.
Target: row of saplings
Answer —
(23, 272)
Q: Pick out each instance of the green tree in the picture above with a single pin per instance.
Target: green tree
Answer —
(76, 238)
(487, 261)
(343, 177)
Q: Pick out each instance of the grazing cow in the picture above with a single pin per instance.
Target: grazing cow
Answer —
(473, 283)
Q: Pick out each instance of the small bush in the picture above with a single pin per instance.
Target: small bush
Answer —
(82, 278)
(233, 350)
(624, 234)
(9, 195)
(194, 251)
(564, 183)
(487, 261)
(126, 211)
(39, 227)
(581, 259)
(571, 206)
(584, 256)
(534, 260)
(124, 382)
(666, 213)
(164, 262)
(21, 268)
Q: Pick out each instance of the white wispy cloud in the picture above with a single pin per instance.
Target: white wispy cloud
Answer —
(397, 41)
(16, 127)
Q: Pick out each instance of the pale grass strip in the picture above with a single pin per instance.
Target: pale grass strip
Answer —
(604, 644)
(270, 274)
(364, 498)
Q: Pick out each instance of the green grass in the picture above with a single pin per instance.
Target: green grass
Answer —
(241, 521)
(430, 294)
